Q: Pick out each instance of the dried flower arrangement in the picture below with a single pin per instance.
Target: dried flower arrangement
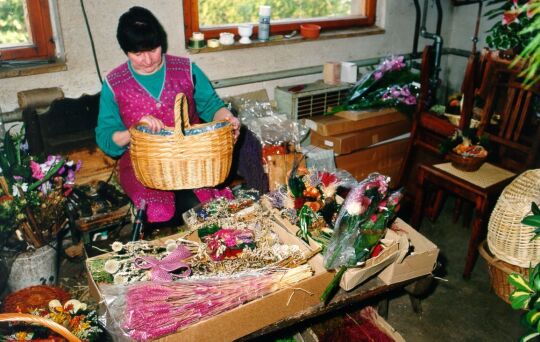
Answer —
(72, 314)
(309, 201)
(223, 250)
(32, 194)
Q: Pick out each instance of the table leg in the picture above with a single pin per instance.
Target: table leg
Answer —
(477, 228)
(416, 219)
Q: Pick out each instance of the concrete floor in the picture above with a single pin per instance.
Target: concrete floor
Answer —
(456, 310)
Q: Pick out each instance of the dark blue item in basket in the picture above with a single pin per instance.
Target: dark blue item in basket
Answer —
(191, 131)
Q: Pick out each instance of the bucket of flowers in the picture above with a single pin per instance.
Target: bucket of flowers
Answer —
(33, 192)
(465, 150)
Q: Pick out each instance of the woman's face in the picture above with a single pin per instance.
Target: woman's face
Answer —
(145, 62)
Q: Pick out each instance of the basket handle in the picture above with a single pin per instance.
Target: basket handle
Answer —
(28, 318)
(181, 115)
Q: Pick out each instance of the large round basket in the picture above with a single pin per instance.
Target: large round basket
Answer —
(183, 157)
(468, 164)
(499, 272)
(33, 319)
(507, 238)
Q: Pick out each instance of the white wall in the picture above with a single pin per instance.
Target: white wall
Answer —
(395, 16)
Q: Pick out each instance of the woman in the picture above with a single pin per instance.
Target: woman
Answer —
(143, 90)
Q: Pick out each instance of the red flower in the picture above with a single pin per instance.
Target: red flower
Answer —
(327, 178)
(299, 203)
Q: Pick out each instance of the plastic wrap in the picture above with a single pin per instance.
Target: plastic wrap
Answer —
(270, 127)
(150, 310)
(357, 209)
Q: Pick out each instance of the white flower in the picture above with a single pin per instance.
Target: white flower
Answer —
(75, 306)
(354, 208)
(55, 303)
(15, 189)
(117, 246)
(69, 163)
(119, 279)
(111, 266)
(171, 247)
(169, 241)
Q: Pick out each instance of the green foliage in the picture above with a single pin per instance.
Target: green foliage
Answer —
(532, 50)
(526, 297)
(508, 36)
(13, 29)
(222, 12)
(533, 220)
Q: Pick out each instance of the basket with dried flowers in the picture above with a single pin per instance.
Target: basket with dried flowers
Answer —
(465, 150)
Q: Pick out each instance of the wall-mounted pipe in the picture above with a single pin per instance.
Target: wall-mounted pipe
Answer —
(437, 43)
(418, 14)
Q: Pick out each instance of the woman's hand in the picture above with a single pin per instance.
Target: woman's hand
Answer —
(224, 114)
(153, 123)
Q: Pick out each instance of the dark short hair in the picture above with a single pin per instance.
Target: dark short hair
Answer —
(139, 30)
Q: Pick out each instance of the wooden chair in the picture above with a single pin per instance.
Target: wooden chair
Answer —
(514, 132)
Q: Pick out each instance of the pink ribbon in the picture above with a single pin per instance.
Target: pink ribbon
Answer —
(160, 270)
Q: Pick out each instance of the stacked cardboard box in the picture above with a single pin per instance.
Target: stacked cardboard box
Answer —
(363, 142)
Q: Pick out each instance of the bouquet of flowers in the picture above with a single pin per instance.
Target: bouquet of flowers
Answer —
(32, 192)
(466, 143)
(73, 314)
(391, 84)
(361, 223)
(309, 199)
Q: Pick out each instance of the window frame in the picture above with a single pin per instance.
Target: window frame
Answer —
(191, 22)
(43, 46)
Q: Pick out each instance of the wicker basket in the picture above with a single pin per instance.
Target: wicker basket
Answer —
(28, 318)
(177, 161)
(507, 238)
(468, 164)
(499, 272)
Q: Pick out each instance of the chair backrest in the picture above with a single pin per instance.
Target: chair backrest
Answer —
(508, 118)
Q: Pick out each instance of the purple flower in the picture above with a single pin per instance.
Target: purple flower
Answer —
(377, 75)
(37, 173)
(411, 100)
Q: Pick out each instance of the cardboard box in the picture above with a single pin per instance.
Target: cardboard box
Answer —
(355, 276)
(420, 262)
(350, 142)
(385, 158)
(254, 315)
(333, 125)
(279, 166)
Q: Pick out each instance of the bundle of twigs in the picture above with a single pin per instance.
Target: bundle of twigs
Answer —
(156, 309)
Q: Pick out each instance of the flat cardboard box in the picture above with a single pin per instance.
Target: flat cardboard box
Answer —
(420, 262)
(333, 125)
(350, 142)
(355, 276)
(356, 115)
(257, 314)
(385, 158)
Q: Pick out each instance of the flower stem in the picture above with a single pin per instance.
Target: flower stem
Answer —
(331, 289)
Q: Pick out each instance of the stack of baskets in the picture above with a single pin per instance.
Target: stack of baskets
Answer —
(176, 159)
(509, 241)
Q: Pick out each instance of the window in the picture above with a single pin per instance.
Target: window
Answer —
(25, 30)
(212, 17)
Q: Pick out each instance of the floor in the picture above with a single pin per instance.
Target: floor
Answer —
(456, 309)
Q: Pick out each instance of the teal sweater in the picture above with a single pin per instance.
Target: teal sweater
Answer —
(109, 121)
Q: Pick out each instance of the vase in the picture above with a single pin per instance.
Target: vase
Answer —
(37, 267)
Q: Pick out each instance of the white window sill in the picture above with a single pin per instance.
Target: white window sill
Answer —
(280, 40)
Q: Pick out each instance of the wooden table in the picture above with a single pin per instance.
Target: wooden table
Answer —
(483, 198)
(372, 289)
